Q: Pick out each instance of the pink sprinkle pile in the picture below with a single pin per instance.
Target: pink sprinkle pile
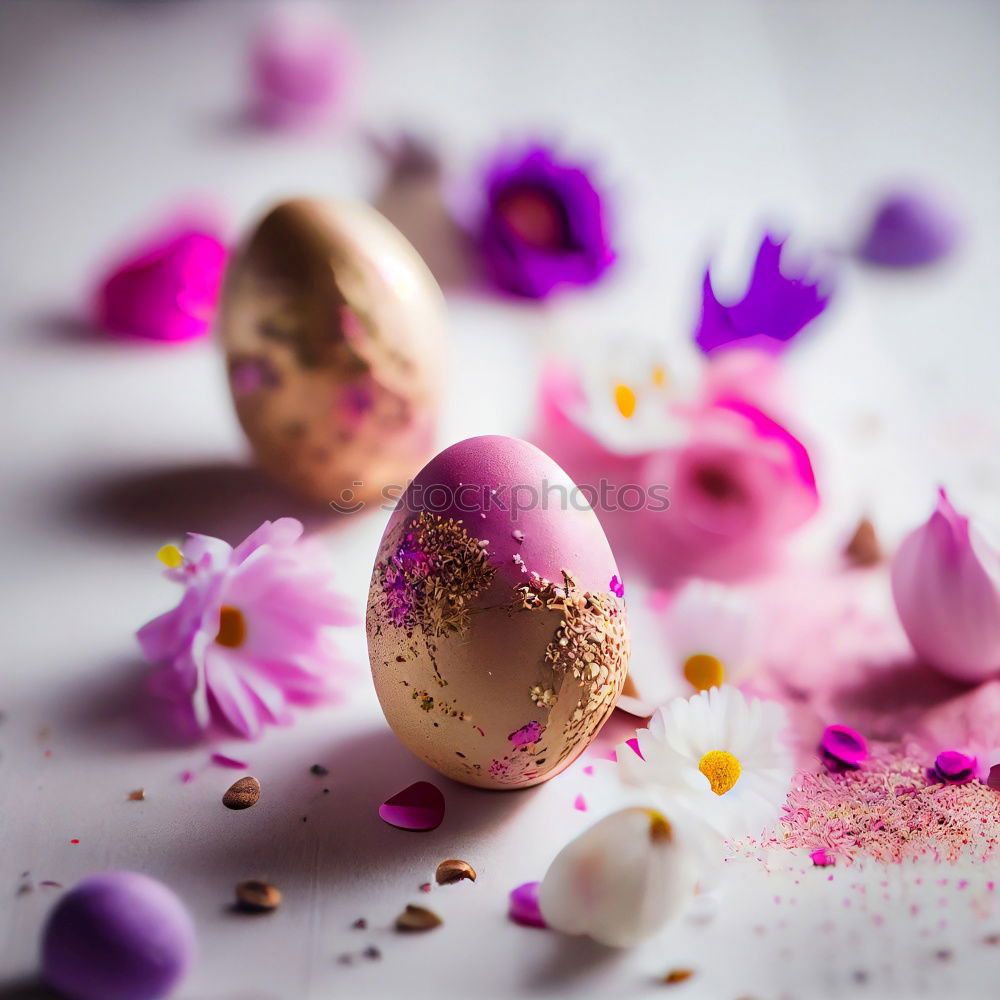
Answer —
(888, 810)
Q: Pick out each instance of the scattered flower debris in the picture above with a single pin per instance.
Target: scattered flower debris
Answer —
(580, 804)
(954, 768)
(187, 777)
(372, 953)
(887, 811)
(453, 870)
(223, 761)
(139, 795)
(360, 924)
(417, 807)
(424, 887)
(257, 897)
(822, 858)
(417, 918)
(242, 794)
(319, 769)
(49, 884)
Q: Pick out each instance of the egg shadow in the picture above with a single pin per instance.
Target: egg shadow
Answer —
(30, 988)
(569, 962)
(322, 832)
(224, 499)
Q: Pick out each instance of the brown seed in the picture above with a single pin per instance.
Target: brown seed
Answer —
(863, 549)
(417, 918)
(454, 870)
(242, 794)
(139, 795)
(675, 976)
(257, 897)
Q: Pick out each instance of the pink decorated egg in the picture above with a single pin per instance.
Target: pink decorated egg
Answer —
(497, 630)
(333, 329)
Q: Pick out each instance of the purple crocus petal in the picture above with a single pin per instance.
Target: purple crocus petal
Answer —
(544, 226)
(843, 745)
(954, 767)
(166, 290)
(822, 858)
(774, 309)
(223, 761)
(418, 807)
(524, 908)
(909, 229)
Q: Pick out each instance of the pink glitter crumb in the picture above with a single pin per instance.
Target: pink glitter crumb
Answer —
(888, 812)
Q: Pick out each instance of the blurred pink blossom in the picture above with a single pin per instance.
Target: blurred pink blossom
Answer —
(300, 65)
(251, 634)
(739, 485)
(167, 288)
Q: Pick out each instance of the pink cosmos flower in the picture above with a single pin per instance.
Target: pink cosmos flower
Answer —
(165, 289)
(740, 484)
(946, 583)
(250, 636)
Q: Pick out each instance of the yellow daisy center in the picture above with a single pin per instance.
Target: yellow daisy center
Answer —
(170, 556)
(703, 671)
(625, 400)
(659, 826)
(722, 770)
(232, 627)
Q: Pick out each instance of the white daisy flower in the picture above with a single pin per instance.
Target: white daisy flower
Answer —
(711, 637)
(718, 755)
(624, 878)
(627, 396)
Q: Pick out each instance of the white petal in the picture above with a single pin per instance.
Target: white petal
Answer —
(620, 881)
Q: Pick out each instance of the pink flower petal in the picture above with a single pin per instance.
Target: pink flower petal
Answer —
(223, 761)
(524, 906)
(418, 807)
(580, 804)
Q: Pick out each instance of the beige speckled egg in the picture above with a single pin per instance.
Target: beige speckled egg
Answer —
(497, 630)
(333, 329)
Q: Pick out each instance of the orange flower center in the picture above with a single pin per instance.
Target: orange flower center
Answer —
(232, 627)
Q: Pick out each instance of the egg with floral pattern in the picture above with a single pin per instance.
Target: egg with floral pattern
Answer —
(497, 628)
(333, 329)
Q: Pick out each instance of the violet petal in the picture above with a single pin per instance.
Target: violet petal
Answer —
(524, 906)
(223, 761)
(954, 767)
(418, 807)
(908, 229)
(845, 745)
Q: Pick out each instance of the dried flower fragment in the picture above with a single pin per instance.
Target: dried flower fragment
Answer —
(417, 918)
(257, 897)
(453, 870)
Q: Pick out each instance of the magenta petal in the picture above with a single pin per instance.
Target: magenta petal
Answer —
(633, 743)
(223, 761)
(822, 858)
(844, 745)
(954, 767)
(419, 807)
(524, 906)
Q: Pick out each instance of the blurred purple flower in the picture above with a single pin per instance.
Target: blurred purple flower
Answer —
(909, 229)
(250, 636)
(773, 310)
(544, 226)
(300, 66)
(166, 289)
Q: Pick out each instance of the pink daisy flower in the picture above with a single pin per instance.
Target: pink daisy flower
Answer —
(251, 634)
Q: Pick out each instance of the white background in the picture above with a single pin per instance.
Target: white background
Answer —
(705, 120)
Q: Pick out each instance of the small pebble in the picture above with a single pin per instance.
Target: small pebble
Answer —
(139, 795)
(257, 897)
(242, 794)
(417, 918)
(318, 769)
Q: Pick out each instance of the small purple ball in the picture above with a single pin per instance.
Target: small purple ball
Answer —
(117, 936)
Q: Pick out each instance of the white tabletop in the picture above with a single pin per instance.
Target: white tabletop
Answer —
(705, 119)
